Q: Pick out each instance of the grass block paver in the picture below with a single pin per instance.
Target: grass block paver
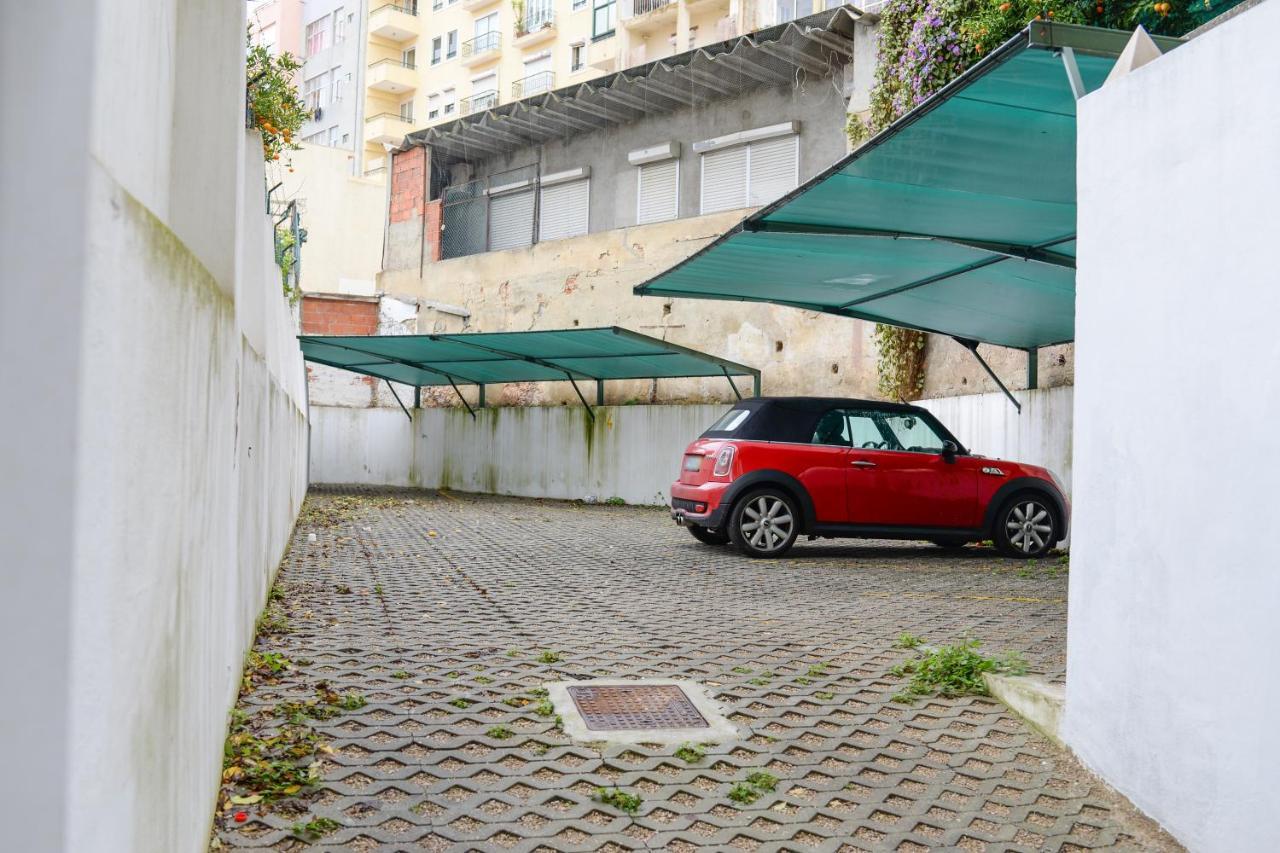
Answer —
(450, 613)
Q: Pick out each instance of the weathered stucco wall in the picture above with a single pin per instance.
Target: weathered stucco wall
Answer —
(172, 434)
(1172, 676)
(586, 281)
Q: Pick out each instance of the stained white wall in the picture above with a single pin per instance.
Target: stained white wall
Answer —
(1173, 678)
(631, 452)
(153, 451)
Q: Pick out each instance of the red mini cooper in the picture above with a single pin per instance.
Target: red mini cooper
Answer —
(774, 468)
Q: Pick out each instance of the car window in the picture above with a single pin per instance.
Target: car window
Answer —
(913, 433)
(832, 429)
(732, 419)
(863, 430)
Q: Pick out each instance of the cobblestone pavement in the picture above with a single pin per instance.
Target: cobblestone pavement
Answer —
(440, 610)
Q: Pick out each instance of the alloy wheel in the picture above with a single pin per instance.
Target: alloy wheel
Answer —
(767, 523)
(1029, 526)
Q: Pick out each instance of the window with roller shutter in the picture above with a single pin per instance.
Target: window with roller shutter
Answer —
(511, 220)
(563, 209)
(658, 191)
(750, 174)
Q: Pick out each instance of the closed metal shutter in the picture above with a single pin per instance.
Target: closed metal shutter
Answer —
(659, 198)
(564, 209)
(772, 169)
(724, 179)
(511, 220)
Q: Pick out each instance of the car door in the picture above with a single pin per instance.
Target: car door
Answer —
(821, 465)
(898, 475)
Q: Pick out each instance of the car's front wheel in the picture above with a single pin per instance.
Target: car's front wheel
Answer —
(707, 536)
(764, 523)
(1027, 526)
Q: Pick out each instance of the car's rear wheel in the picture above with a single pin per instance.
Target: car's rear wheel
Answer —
(1027, 526)
(708, 536)
(764, 523)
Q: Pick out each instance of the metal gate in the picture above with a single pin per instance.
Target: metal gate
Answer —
(487, 214)
(464, 220)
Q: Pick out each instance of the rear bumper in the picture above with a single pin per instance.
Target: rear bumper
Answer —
(698, 505)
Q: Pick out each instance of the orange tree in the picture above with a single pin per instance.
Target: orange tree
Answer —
(273, 102)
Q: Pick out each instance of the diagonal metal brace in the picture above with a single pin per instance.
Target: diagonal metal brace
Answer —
(456, 390)
(736, 392)
(578, 391)
(972, 346)
(398, 400)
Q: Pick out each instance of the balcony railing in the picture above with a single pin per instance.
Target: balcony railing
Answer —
(479, 102)
(534, 84)
(481, 44)
(392, 62)
(388, 116)
(536, 18)
(407, 8)
(636, 8)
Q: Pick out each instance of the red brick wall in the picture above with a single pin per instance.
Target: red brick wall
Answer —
(408, 184)
(322, 316)
(431, 230)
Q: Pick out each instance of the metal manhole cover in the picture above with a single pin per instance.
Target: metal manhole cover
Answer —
(640, 706)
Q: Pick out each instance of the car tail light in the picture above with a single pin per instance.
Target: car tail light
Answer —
(693, 461)
(724, 460)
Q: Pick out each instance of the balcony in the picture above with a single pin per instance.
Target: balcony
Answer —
(481, 49)
(395, 23)
(392, 75)
(478, 103)
(603, 55)
(389, 128)
(477, 5)
(647, 16)
(534, 84)
(537, 26)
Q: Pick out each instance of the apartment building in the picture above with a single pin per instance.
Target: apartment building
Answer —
(276, 25)
(432, 61)
(334, 42)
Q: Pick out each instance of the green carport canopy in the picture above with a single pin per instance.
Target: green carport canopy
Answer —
(959, 218)
(480, 358)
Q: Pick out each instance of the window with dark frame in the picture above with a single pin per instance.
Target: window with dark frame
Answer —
(604, 18)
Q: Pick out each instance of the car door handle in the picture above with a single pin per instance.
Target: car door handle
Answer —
(862, 463)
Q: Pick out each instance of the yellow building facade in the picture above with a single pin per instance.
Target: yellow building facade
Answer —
(433, 61)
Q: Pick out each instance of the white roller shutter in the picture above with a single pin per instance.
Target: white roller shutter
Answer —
(724, 179)
(511, 220)
(563, 211)
(772, 169)
(658, 193)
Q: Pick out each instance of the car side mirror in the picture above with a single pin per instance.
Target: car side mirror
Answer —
(949, 451)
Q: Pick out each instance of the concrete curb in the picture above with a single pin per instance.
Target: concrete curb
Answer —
(1036, 701)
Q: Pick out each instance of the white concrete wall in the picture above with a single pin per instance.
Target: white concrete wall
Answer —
(989, 425)
(631, 452)
(153, 454)
(1172, 672)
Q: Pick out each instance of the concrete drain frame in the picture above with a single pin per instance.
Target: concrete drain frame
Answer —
(681, 711)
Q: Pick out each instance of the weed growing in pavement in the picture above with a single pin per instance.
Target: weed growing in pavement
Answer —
(453, 675)
(539, 692)
(620, 800)
(744, 793)
(342, 589)
(276, 593)
(377, 589)
(483, 679)
(517, 701)
(459, 702)
(274, 766)
(825, 695)
(742, 670)
(802, 681)
(818, 670)
(908, 641)
(513, 653)
(762, 780)
(549, 657)
(315, 828)
(273, 622)
(615, 501)
(399, 673)
(759, 682)
(952, 671)
(353, 701)
(690, 753)
(499, 732)
(544, 708)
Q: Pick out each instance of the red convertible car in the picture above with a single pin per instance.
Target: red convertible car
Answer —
(773, 469)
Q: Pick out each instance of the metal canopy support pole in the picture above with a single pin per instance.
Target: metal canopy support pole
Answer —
(1073, 73)
(578, 391)
(755, 383)
(736, 392)
(481, 406)
(599, 392)
(398, 400)
(417, 396)
(972, 346)
(456, 390)
(1033, 368)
